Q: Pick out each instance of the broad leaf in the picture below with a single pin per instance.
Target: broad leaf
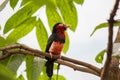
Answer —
(53, 16)
(68, 11)
(33, 67)
(79, 1)
(54, 77)
(66, 45)
(43, 76)
(20, 78)
(29, 67)
(118, 57)
(104, 25)
(35, 2)
(5, 42)
(99, 57)
(22, 30)
(14, 62)
(25, 2)
(6, 74)
(41, 34)
(51, 3)
(2, 41)
(0, 27)
(13, 3)
(60, 77)
(21, 16)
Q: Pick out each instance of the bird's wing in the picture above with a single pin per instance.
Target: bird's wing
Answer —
(50, 40)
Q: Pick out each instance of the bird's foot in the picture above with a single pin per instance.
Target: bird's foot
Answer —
(60, 56)
(51, 55)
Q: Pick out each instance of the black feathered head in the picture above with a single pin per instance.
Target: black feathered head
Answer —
(59, 27)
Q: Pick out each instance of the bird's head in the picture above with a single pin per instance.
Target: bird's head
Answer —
(60, 27)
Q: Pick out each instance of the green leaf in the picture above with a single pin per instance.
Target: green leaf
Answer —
(66, 45)
(55, 66)
(29, 66)
(14, 62)
(117, 23)
(35, 2)
(68, 11)
(60, 77)
(20, 78)
(6, 74)
(22, 30)
(118, 57)
(3, 5)
(41, 34)
(79, 1)
(21, 16)
(104, 25)
(33, 67)
(2, 41)
(51, 3)
(99, 57)
(0, 27)
(53, 16)
(13, 3)
(5, 42)
(43, 76)
(25, 2)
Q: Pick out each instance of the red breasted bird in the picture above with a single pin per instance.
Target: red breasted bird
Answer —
(55, 45)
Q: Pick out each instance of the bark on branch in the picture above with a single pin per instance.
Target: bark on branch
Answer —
(75, 64)
(111, 21)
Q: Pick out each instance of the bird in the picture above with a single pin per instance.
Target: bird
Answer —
(55, 45)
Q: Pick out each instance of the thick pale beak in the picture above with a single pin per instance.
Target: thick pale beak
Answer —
(67, 25)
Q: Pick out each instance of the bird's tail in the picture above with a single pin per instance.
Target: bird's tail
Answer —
(49, 67)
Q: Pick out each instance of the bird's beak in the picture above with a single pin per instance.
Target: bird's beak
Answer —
(67, 25)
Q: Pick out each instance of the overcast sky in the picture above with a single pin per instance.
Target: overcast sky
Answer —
(82, 46)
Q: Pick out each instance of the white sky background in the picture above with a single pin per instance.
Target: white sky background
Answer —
(82, 46)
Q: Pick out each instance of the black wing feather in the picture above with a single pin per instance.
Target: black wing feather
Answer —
(50, 40)
(50, 62)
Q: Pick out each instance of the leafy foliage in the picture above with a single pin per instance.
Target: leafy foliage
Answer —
(22, 23)
(99, 57)
(6, 74)
(66, 46)
(79, 1)
(20, 78)
(13, 3)
(40, 31)
(0, 27)
(68, 12)
(104, 25)
(23, 30)
(33, 67)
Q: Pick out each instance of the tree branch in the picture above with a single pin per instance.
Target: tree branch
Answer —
(111, 21)
(75, 64)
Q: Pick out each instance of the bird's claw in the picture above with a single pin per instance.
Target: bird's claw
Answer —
(51, 55)
(60, 56)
